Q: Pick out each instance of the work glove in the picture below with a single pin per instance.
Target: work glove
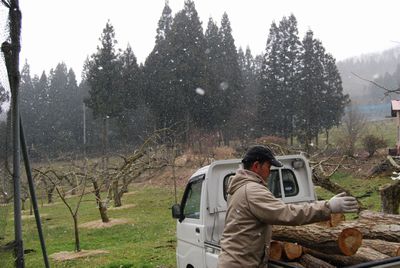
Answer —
(341, 203)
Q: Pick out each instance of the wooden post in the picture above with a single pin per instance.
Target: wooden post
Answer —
(398, 132)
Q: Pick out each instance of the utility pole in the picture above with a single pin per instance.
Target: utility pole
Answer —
(84, 129)
(11, 55)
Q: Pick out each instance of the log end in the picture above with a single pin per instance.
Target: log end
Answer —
(275, 250)
(292, 250)
(349, 241)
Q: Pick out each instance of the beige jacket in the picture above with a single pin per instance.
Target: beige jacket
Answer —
(252, 209)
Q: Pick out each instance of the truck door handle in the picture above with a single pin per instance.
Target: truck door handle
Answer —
(197, 230)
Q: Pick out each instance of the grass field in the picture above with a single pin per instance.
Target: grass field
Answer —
(148, 240)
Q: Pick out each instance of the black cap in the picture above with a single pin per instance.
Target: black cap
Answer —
(261, 153)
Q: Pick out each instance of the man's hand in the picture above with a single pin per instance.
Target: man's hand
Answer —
(343, 204)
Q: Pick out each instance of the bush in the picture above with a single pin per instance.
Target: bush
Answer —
(373, 143)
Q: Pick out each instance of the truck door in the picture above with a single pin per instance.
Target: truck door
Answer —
(190, 231)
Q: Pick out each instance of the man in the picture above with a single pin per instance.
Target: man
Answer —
(252, 210)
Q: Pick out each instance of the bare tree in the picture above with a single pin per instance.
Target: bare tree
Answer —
(354, 124)
(62, 194)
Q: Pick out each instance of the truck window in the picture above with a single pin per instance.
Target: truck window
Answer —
(226, 185)
(191, 207)
(290, 185)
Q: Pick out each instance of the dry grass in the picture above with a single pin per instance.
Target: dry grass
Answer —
(70, 255)
(99, 224)
(122, 207)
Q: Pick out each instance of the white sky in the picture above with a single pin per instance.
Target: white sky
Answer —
(55, 31)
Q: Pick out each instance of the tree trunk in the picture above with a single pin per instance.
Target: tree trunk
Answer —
(50, 197)
(76, 231)
(103, 212)
(335, 241)
(391, 249)
(327, 184)
(310, 261)
(363, 255)
(100, 204)
(116, 195)
(327, 136)
(105, 143)
(390, 197)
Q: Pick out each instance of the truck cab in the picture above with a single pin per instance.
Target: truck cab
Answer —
(201, 213)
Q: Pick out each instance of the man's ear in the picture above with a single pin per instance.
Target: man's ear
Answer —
(255, 166)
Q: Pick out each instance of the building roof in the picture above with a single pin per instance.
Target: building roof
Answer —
(395, 107)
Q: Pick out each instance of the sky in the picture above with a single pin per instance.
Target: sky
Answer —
(68, 31)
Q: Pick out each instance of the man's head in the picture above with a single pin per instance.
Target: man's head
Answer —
(259, 159)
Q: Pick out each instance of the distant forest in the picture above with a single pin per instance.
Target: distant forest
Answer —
(195, 82)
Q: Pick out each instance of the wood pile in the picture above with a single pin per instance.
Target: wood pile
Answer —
(337, 243)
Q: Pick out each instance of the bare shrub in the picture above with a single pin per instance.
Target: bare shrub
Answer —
(268, 140)
(372, 143)
(224, 152)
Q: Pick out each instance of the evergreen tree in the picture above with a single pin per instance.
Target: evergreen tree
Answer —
(313, 89)
(158, 76)
(191, 100)
(289, 59)
(131, 88)
(230, 77)
(334, 101)
(64, 110)
(103, 73)
(268, 104)
(279, 79)
(246, 114)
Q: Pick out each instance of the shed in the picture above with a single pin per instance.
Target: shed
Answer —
(395, 107)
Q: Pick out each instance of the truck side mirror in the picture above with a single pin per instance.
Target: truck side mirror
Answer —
(176, 211)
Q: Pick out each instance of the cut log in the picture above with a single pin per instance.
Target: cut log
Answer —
(374, 229)
(367, 215)
(363, 254)
(275, 250)
(310, 261)
(390, 197)
(335, 220)
(391, 249)
(292, 250)
(331, 240)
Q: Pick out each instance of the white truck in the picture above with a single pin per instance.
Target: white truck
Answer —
(201, 213)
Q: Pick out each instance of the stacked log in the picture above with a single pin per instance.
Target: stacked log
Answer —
(374, 236)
